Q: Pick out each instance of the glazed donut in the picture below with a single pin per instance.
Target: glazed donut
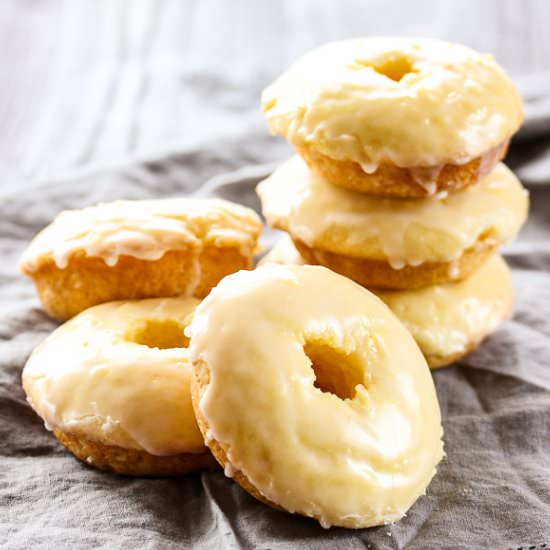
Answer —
(333, 409)
(447, 320)
(138, 249)
(393, 243)
(450, 320)
(113, 384)
(403, 117)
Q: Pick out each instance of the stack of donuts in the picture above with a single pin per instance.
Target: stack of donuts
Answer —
(302, 384)
(113, 382)
(398, 184)
(271, 376)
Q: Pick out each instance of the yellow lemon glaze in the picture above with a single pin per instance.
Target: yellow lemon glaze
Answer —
(443, 319)
(356, 461)
(400, 231)
(143, 229)
(97, 377)
(409, 101)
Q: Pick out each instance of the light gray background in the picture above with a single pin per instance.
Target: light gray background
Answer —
(132, 99)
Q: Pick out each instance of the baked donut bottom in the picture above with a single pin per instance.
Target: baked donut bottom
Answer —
(390, 180)
(373, 273)
(88, 281)
(133, 462)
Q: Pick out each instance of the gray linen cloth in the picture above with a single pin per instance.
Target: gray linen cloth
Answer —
(90, 82)
(491, 491)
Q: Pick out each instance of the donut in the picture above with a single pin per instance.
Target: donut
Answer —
(447, 320)
(403, 117)
(138, 249)
(113, 384)
(450, 320)
(334, 414)
(393, 243)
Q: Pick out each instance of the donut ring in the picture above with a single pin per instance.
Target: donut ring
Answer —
(113, 384)
(138, 249)
(448, 321)
(341, 421)
(394, 243)
(402, 117)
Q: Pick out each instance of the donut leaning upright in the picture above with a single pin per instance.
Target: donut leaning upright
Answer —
(334, 413)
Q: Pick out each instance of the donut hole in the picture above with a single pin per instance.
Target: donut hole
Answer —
(158, 333)
(393, 67)
(335, 371)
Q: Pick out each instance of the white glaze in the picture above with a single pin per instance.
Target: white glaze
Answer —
(90, 378)
(399, 231)
(452, 104)
(447, 319)
(143, 230)
(353, 462)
